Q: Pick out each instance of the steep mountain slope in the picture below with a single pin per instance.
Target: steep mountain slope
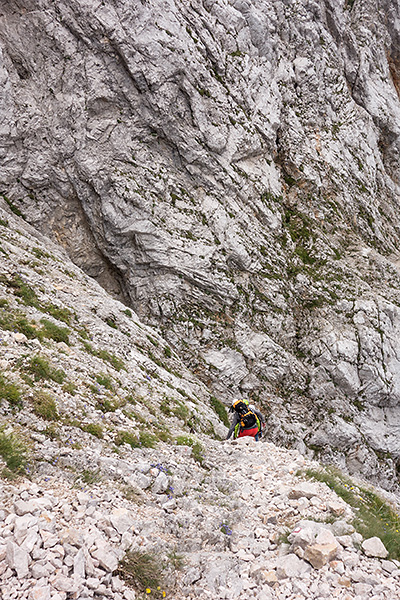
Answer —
(113, 482)
(230, 169)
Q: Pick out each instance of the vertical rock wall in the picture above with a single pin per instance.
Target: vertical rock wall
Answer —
(231, 169)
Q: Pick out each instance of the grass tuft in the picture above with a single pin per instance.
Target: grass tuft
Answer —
(141, 570)
(10, 391)
(220, 409)
(45, 406)
(94, 429)
(197, 448)
(13, 451)
(40, 368)
(54, 332)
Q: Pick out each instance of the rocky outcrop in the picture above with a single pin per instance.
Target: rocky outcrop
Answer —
(229, 169)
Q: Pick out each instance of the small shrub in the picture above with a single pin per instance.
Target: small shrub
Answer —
(90, 477)
(40, 253)
(167, 352)
(10, 391)
(111, 322)
(116, 362)
(13, 451)
(182, 412)
(52, 432)
(152, 340)
(54, 332)
(94, 429)
(106, 405)
(3, 303)
(128, 313)
(45, 406)
(140, 570)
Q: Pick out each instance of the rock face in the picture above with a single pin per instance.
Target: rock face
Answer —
(110, 450)
(230, 169)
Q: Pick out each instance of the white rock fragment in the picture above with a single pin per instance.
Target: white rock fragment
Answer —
(106, 559)
(121, 519)
(374, 547)
(17, 559)
(40, 593)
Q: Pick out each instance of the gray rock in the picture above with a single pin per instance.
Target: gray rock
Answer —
(191, 576)
(388, 566)
(374, 547)
(17, 559)
(160, 484)
(142, 481)
(64, 584)
(290, 566)
(340, 528)
(106, 559)
(39, 592)
(304, 489)
(121, 519)
(79, 564)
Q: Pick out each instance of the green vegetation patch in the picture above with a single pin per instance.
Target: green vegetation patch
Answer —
(220, 409)
(116, 362)
(375, 518)
(59, 313)
(94, 429)
(40, 368)
(105, 380)
(13, 451)
(10, 391)
(141, 570)
(54, 332)
(21, 289)
(143, 440)
(127, 437)
(45, 406)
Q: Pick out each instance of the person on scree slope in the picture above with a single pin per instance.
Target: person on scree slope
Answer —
(247, 420)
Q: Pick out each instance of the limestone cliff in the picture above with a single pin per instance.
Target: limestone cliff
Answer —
(231, 170)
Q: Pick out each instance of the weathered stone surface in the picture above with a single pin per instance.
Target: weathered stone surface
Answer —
(374, 547)
(304, 489)
(277, 136)
(106, 559)
(40, 593)
(64, 584)
(121, 519)
(320, 554)
(161, 483)
(17, 559)
(290, 566)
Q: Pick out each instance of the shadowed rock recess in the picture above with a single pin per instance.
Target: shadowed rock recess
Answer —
(230, 170)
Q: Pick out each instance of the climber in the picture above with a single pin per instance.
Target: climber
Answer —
(247, 420)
